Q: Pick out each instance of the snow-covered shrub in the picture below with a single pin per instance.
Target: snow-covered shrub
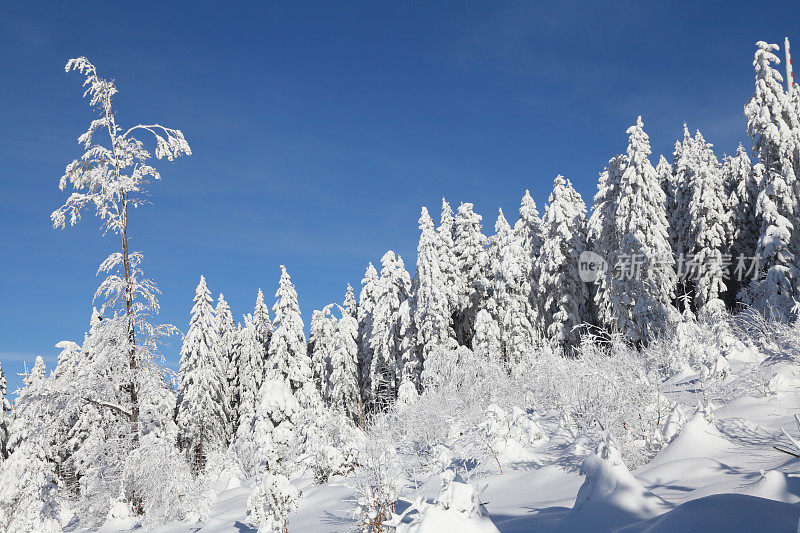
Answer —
(377, 480)
(271, 501)
(609, 385)
(331, 442)
(508, 431)
(457, 509)
(160, 476)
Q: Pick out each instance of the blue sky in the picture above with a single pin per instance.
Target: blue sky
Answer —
(320, 129)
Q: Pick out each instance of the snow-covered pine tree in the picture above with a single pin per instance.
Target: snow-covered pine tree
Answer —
(5, 417)
(350, 304)
(288, 354)
(201, 413)
(229, 351)
(742, 187)
(511, 293)
(275, 432)
(112, 180)
(345, 393)
(383, 335)
(642, 278)
(664, 171)
(251, 377)
(366, 303)
(262, 322)
(472, 261)
(430, 291)
(563, 294)
(486, 342)
(529, 231)
(709, 228)
(28, 500)
(683, 167)
(320, 347)
(603, 238)
(769, 117)
(447, 257)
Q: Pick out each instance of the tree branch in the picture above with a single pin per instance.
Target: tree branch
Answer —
(111, 406)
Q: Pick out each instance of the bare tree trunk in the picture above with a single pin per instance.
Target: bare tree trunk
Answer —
(131, 324)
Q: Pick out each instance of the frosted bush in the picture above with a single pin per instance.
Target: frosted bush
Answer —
(271, 501)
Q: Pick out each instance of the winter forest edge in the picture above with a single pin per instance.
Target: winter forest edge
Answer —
(597, 340)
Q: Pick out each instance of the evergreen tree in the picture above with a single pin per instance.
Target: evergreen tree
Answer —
(383, 335)
(511, 290)
(320, 347)
(447, 258)
(472, 261)
(261, 321)
(642, 281)
(201, 413)
(529, 231)
(229, 351)
(603, 237)
(350, 304)
(684, 166)
(366, 303)
(5, 417)
(430, 306)
(742, 188)
(769, 117)
(561, 290)
(345, 393)
(288, 354)
(486, 342)
(709, 228)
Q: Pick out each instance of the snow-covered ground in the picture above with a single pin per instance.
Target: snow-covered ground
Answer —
(722, 475)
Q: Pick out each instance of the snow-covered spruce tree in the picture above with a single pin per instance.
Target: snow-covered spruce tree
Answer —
(270, 502)
(288, 354)
(320, 347)
(5, 417)
(345, 393)
(472, 262)
(201, 412)
(251, 377)
(664, 171)
(684, 165)
(486, 342)
(383, 334)
(366, 303)
(275, 432)
(769, 115)
(563, 294)
(603, 238)
(642, 278)
(262, 322)
(229, 351)
(28, 499)
(529, 230)
(447, 257)
(742, 187)
(511, 293)
(111, 178)
(430, 291)
(707, 240)
(350, 304)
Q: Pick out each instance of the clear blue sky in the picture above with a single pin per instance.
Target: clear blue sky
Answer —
(319, 129)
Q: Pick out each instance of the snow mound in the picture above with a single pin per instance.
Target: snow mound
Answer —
(785, 380)
(610, 496)
(699, 438)
(771, 486)
(723, 512)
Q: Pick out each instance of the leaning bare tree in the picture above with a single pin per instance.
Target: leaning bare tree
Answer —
(109, 178)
